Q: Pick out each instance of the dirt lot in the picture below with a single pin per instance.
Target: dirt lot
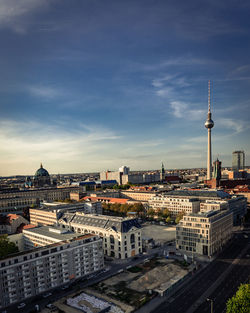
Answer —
(159, 277)
(138, 284)
(160, 234)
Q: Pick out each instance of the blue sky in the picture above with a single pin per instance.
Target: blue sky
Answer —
(89, 85)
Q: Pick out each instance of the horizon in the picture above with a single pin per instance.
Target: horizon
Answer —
(87, 86)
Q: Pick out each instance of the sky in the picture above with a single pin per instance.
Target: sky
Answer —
(90, 85)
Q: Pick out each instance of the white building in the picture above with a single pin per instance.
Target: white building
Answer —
(122, 237)
(175, 204)
(32, 272)
(204, 233)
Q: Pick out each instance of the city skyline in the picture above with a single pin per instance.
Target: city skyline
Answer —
(90, 86)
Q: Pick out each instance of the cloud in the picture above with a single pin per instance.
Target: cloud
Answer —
(237, 126)
(14, 13)
(46, 92)
(29, 141)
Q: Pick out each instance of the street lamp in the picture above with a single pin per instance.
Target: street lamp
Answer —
(212, 304)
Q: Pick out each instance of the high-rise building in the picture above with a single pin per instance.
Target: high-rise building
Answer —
(209, 124)
(162, 173)
(238, 160)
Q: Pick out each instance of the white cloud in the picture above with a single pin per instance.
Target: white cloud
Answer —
(27, 143)
(46, 92)
(14, 13)
(237, 126)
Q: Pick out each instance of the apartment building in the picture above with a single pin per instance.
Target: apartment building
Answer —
(35, 271)
(175, 204)
(10, 223)
(204, 233)
(122, 237)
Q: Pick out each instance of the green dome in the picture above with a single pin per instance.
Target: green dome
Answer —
(41, 172)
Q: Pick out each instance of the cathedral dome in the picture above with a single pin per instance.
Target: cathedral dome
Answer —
(41, 172)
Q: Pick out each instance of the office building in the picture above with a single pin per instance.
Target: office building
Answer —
(238, 160)
(174, 204)
(204, 233)
(50, 213)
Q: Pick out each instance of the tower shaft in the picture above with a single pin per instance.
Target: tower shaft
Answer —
(209, 154)
(209, 124)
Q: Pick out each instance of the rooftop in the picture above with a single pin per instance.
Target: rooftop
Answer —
(199, 193)
(55, 232)
(119, 224)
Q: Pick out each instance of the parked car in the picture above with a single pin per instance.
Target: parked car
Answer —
(21, 305)
(46, 295)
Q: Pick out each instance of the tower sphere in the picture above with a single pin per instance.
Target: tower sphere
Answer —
(209, 123)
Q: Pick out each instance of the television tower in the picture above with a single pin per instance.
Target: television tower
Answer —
(209, 124)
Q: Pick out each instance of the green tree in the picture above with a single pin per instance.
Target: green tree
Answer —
(168, 219)
(179, 217)
(165, 213)
(240, 302)
(6, 247)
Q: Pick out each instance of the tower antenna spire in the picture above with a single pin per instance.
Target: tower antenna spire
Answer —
(209, 98)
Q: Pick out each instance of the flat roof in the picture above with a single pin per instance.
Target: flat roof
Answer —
(54, 232)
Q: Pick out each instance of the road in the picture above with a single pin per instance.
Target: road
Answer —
(222, 277)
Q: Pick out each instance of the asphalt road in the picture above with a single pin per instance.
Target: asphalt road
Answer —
(185, 298)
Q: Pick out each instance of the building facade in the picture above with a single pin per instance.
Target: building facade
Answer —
(204, 233)
(122, 237)
(32, 272)
(238, 160)
(50, 213)
(175, 204)
(138, 195)
(15, 200)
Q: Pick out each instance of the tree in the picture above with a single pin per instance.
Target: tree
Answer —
(6, 247)
(151, 213)
(166, 213)
(240, 302)
(168, 219)
(179, 217)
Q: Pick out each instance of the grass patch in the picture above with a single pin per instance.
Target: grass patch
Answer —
(135, 269)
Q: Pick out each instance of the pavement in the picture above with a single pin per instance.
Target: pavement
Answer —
(220, 277)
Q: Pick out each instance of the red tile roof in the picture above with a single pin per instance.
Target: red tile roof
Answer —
(29, 226)
(13, 216)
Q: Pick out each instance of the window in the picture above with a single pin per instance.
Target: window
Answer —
(132, 238)
(112, 239)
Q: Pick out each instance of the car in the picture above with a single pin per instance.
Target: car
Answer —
(46, 295)
(64, 287)
(49, 306)
(21, 305)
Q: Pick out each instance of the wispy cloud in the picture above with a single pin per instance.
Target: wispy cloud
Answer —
(46, 92)
(170, 87)
(237, 126)
(25, 142)
(14, 13)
